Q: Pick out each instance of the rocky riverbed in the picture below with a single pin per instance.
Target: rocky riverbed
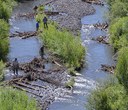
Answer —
(71, 12)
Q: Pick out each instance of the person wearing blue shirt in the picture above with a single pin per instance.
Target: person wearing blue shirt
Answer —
(37, 25)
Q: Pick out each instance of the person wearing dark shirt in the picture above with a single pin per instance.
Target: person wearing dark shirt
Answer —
(15, 66)
(45, 20)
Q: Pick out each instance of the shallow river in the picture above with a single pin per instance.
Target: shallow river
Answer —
(97, 54)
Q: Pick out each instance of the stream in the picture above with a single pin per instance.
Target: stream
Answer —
(97, 54)
(27, 49)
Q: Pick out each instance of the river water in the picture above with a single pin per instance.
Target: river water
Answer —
(97, 54)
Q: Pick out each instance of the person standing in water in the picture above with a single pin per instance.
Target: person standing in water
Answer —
(37, 25)
(15, 66)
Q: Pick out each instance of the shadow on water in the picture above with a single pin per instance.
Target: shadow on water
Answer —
(97, 54)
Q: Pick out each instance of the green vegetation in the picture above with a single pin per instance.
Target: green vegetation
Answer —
(110, 96)
(63, 44)
(1, 71)
(4, 40)
(5, 12)
(11, 99)
(118, 23)
(122, 67)
(70, 83)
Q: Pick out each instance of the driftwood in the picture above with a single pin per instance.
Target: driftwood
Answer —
(97, 2)
(26, 15)
(101, 39)
(108, 68)
(26, 90)
(25, 35)
(101, 26)
(49, 13)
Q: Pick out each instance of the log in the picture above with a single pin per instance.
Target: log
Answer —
(49, 13)
(37, 85)
(25, 35)
(23, 89)
(24, 85)
(108, 68)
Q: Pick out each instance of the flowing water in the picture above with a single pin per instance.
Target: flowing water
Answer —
(97, 54)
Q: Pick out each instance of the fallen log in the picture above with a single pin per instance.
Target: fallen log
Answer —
(24, 85)
(26, 15)
(25, 35)
(108, 68)
(23, 89)
(97, 2)
(49, 13)
(101, 26)
(101, 39)
(36, 85)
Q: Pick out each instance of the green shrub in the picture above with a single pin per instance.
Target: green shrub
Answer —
(108, 97)
(4, 41)
(11, 99)
(1, 71)
(6, 9)
(122, 67)
(119, 32)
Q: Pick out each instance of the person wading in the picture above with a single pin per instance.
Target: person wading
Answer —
(15, 66)
(45, 20)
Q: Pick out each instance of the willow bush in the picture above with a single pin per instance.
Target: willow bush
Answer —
(108, 97)
(1, 70)
(119, 33)
(12, 99)
(63, 44)
(6, 7)
(122, 67)
(118, 12)
(4, 39)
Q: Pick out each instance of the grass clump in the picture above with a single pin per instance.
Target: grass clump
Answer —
(70, 83)
(11, 99)
(72, 72)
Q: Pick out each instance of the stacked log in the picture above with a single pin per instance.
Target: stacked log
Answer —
(25, 35)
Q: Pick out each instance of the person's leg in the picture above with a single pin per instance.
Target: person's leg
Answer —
(16, 71)
(46, 25)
